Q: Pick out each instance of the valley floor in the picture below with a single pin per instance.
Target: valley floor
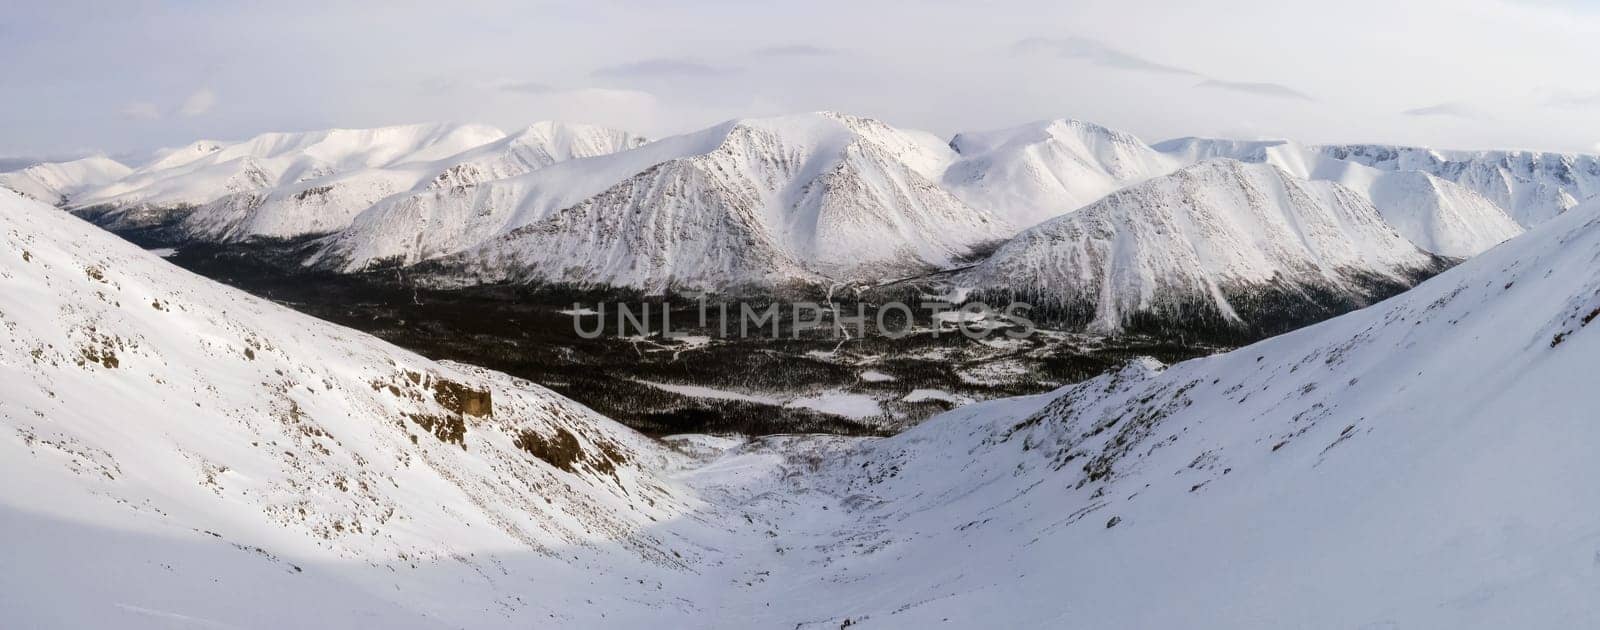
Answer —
(704, 383)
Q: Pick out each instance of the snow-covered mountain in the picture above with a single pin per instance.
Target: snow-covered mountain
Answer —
(275, 166)
(1531, 186)
(748, 201)
(55, 182)
(539, 145)
(329, 203)
(1039, 171)
(1425, 462)
(182, 446)
(1221, 244)
(1440, 216)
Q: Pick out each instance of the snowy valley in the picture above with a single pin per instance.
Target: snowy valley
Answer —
(206, 450)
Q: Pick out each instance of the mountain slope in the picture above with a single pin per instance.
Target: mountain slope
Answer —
(1531, 186)
(206, 171)
(1035, 172)
(1422, 463)
(328, 204)
(537, 146)
(1221, 244)
(749, 201)
(55, 182)
(1440, 216)
(197, 447)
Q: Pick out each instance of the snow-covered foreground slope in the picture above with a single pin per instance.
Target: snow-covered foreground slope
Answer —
(55, 182)
(1039, 171)
(1438, 215)
(182, 453)
(1532, 186)
(1423, 463)
(1219, 244)
(749, 201)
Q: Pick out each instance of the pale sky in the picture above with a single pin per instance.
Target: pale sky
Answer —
(127, 77)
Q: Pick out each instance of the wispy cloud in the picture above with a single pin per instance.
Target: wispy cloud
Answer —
(518, 86)
(1443, 110)
(1256, 88)
(140, 110)
(444, 85)
(795, 50)
(660, 68)
(199, 102)
(1095, 52)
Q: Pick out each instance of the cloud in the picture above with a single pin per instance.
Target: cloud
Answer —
(1256, 88)
(518, 86)
(660, 68)
(1445, 110)
(1094, 52)
(140, 111)
(199, 102)
(795, 50)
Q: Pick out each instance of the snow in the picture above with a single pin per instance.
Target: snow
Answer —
(292, 185)
(839, 403)
(874, 376)
(1038, 171)
(849, 405)
(1532, 187)
(1423, 463)
(53, 182)
(1439, 216)
(921, 395)
(207, 170)
(760, 201)
(1200, 235)
(699, 391)
(190, 449)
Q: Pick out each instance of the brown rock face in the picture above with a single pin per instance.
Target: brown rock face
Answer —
(462, 399)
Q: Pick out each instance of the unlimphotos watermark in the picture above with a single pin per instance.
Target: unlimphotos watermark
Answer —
(741, 320)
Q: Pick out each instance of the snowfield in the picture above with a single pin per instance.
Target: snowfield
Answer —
(184, 454)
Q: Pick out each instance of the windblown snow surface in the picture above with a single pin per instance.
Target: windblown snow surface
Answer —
(181, 453)
(1210, 241)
